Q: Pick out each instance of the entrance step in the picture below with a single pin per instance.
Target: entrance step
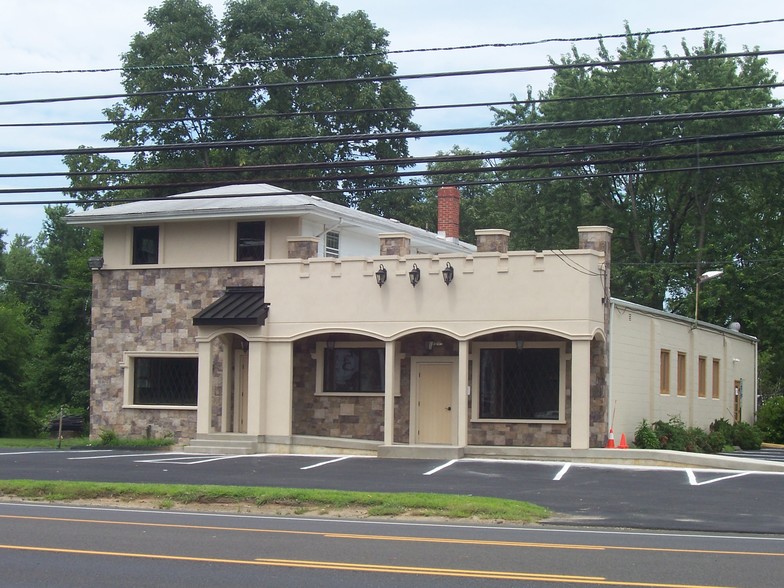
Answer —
(421, 451)
(223, 444)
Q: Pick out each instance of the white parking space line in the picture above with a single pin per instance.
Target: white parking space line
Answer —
(693, 479)
(562, 472)
(441, 467)
(47, 451)
(323, 463)
(112, 456)
(191, 459)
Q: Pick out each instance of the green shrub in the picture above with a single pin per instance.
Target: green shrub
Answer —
(671, 434)
(675, 436)
(696, 440)
(770, 419)
(645, 437)
(108, 437)
(716, 441)
(746, 436)
(722, 426)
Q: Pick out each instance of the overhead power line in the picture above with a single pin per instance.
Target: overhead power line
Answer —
(391, 78)
(363, 111)
(365, 137)
(696, 156)
(544, 152)
(396, 51)
(397, 187)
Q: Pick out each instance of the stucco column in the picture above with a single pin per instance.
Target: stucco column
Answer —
(581, 394)
(256, 390)
(391, 383)
(277, 394)
(204, 393)
(462, 394)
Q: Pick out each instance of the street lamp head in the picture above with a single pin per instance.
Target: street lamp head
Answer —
(710, 275)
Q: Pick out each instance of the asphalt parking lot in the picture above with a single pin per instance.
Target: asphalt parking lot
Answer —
(617, 496)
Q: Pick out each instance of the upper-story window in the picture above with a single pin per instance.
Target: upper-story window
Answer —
(250, 241)
(145, 244)
(332, 244)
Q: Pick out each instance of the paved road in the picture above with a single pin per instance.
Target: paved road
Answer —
(650, 498)
(46, 545)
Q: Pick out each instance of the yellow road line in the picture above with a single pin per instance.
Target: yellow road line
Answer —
(410, 539)
(368, 568)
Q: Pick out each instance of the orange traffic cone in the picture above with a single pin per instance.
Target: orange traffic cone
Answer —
(610, 440)
(623, 442)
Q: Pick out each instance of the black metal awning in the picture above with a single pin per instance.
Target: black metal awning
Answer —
(241, 305)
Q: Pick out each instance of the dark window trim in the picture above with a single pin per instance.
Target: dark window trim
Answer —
(324, 354)
(140, 255)
(132, 365)
(560, 346)
(248, 247)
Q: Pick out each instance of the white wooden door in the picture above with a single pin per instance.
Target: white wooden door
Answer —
(434, 403)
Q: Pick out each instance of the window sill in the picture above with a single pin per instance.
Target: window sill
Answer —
(354, 394)
(160, 406)
(522, 421)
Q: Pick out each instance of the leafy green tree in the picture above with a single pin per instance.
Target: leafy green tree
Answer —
(667, 219)
(60, 362)
(26, 278)
(770, 419)
(3, 233)
(15, 340)
(283, 49)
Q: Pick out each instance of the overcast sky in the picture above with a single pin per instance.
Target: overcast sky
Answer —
(40, 35)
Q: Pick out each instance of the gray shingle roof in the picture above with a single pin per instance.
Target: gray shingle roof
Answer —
(251, 200)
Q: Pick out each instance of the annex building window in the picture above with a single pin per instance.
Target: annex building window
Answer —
(664, 371)
(332, 244)
(521, 384)
(145, 245)
(702, 377)
(681, 374)
(250, 241)
(353, 370)
(716, 379)
(165, 381)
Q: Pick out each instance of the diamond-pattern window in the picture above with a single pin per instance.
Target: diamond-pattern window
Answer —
(165, 380)
(519, 384)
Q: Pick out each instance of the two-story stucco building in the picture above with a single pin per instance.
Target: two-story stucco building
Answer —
(249, 318)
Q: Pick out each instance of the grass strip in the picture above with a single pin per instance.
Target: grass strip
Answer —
(374, 504)
(85, 442)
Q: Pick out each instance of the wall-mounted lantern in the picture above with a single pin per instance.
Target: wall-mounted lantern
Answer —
(449, 273)
(414, 275)
(95, 263)
(381, 275)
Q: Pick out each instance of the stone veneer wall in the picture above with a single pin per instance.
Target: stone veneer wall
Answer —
(354, 417)
(150, 309)
(599, 394)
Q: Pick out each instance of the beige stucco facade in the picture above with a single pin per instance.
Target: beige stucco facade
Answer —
(656, 360)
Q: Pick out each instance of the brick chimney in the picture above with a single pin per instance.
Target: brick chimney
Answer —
(449, 212)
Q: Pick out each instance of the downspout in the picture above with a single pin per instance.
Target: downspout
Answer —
(332, 228)
(756, 382)
(610, 374)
